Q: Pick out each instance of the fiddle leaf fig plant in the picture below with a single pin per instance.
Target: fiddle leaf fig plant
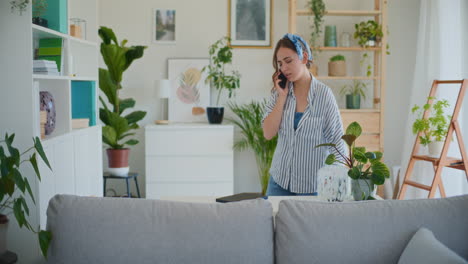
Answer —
(14, 187)
(434, 127)
(118, 58)
(362, 164)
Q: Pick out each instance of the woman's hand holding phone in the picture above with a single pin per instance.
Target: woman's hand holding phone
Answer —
(281, 84)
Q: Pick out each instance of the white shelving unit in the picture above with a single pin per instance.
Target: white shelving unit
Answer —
(75, 155)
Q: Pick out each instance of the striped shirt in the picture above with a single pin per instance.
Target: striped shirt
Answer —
(296, 160)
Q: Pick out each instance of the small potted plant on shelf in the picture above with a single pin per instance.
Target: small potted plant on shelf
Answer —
(353, 94)
(118, 126)
(220, 56)
(39, 7)
(317, 7)
(250, 122)
(365, 167)
(369, 33)
(20, 5)
(14, 189)
(433, 128)
(337, 66)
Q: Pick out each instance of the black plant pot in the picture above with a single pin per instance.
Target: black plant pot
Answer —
(215, 114)
(40, 21)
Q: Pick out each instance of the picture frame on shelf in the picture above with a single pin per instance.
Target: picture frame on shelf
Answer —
(164, 26)
(250, 23)
(189, 95)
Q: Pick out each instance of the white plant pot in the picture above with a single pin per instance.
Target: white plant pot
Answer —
(435, 148)
(370, 43)
(119, 172)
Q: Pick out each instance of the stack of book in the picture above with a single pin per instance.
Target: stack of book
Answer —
(80, 123)
(45, 67)
(50, 49)
(43, 121)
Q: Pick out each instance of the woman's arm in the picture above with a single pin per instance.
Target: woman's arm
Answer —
(274, 110)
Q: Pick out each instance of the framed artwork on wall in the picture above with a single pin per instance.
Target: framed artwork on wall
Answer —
(190, 95)
(164, 26)
(250, 23)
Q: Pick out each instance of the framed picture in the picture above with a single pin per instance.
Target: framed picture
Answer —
(250, 23)
(164, 26)
(190, 95)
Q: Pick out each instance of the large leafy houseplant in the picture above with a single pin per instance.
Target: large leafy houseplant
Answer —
(432, 128)
(364, 166)
(14, 187)
(117, 130)
(220, 56)
(249, 120)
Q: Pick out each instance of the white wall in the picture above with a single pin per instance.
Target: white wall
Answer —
(197, 30)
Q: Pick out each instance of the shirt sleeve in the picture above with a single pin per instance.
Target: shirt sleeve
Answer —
(269, 105)
(334, 127)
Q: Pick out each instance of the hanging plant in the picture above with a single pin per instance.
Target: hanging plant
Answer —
(20, 5)
(318, 9)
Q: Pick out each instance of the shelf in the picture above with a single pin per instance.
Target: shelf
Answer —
(346, 78)
(83, 78)
(357, 48)
(449, 161)
(308, 12)
(54, 77)
(359, 110)
(83, 41)
(43, 32)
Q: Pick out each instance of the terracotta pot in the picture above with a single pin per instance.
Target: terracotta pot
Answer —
(118, 161)
(3, 233)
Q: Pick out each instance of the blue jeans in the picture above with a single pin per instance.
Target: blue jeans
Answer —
(274, 189)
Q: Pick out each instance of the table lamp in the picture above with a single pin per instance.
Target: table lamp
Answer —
(163, 91)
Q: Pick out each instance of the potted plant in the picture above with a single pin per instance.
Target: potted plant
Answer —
(118, 126)
(365, 168)
(21, 5)
(250, 122)
(220, 56)
(353, 94)
(432, 129)
(368, 32)
(38, 10)
(14, 188)
(318, 9)
(337, 66)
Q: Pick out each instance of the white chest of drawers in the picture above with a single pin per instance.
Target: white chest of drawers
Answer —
(189, 160)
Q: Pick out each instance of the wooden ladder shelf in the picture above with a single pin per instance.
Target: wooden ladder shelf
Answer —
(443, 160)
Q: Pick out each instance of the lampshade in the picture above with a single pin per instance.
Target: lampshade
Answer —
(163, 88)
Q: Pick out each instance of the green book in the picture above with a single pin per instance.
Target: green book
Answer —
(50, 42)
(57, 59)
(50, 51)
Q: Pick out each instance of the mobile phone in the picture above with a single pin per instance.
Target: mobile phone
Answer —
(283, 81)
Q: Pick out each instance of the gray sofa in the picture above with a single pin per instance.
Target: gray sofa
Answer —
(112, 230)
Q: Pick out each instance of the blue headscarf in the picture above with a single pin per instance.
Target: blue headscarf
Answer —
(295, 39)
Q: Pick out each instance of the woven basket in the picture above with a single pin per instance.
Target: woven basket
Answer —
(337, 68)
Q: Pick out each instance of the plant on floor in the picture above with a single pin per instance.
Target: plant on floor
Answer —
(14, 187)
(364, 166)
(435, 126)
(118, 127)
(249, 120)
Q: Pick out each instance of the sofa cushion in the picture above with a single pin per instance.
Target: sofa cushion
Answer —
(366, 231)
(425, 248)
(116, 230)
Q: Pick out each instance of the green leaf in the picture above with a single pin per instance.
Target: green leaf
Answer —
(132, 142)
(349, 139)
(18, 179)
(109, 136)
(326, 145)
(354, 173)
(330, 159)
(28, 188)
(377, 178)
(14, 152)
(354, 129)
(135, 116)
(359, 156)
(370, 155)
(33, 161)
(133, 53)
(9, 185)
(360, 149)
(40, 150)
(18, 212)
(107, 35)
(380, 168)
(45, 237)
(107, 86)
(126, 103)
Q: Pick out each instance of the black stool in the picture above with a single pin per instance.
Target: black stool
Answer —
(126, 178)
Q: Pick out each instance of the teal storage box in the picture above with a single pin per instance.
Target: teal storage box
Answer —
(84, 100)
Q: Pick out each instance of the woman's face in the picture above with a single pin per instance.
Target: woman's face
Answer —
(290, 64)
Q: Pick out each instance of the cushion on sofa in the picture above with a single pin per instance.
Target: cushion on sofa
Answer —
(425, 248)
(367, 231)
(116, 230)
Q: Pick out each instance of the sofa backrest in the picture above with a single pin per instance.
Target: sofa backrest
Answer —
(116, 230)
(365, 232)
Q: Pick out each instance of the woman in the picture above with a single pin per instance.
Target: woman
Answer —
(303, 114)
